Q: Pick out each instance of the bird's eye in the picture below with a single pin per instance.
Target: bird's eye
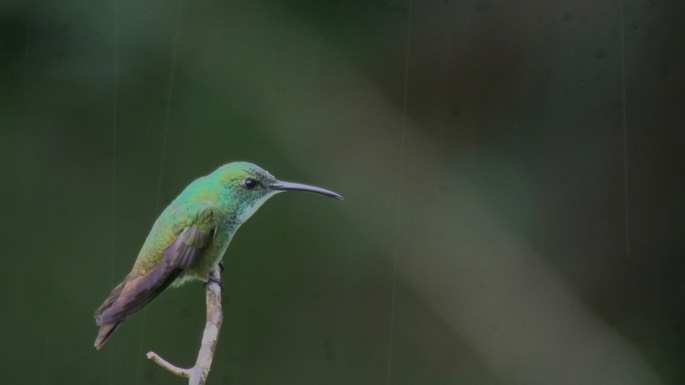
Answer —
(250, 183)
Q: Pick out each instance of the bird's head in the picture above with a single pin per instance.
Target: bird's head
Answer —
(248, 186)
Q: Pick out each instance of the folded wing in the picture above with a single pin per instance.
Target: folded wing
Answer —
(139, 290)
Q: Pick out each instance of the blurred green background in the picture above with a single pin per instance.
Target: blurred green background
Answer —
(513, 175)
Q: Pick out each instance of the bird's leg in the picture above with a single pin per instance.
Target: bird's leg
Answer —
(212, 279)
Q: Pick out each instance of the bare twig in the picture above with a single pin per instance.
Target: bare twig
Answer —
(168, 365)
(197, 375)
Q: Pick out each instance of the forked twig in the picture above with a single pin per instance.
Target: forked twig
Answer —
(197, 375)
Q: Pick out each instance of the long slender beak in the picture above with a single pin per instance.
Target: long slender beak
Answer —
(284, 186)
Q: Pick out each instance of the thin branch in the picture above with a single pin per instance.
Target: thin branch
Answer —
(168, 365)
(197, 375)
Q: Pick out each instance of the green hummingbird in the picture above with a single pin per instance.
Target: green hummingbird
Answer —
(190, 237)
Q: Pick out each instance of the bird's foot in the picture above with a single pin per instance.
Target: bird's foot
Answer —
(212, 279)
(221, 266)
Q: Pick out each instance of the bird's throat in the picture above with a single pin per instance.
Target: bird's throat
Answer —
(251, 207)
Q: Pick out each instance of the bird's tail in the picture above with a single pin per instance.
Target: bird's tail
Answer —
(105, 331)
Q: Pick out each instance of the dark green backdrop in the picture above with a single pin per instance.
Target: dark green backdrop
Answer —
(513, 175)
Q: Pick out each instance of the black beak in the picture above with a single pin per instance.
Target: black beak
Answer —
(284, 186)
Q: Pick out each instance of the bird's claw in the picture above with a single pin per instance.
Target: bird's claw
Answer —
(212, 279)
(221, 266)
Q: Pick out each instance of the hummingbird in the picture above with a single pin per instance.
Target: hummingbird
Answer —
(190, 237)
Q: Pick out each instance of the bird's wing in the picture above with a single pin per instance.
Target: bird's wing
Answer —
(141, 290)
